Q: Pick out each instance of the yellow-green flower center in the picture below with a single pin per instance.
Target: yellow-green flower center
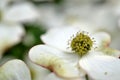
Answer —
(81, 44)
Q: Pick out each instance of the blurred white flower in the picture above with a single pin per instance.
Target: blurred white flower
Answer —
(78, 11)
(10, 35)
(14, 70)
(19, 12)
(101, 16)
(50, 16)
(55, 56)
(10, 18)
(115, 36)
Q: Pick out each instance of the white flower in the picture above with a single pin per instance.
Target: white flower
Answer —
(11, 31)
(89, 15)
(101, 16)
(50, 16)
(14, 70)
(19, 12)
(66, 32)
(10, 34)
(55, 56)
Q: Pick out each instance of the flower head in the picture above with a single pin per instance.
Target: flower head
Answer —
(81, 59)
(81, 44)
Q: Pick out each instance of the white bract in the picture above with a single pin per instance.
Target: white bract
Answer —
(14, 70)
(55, 61)
(37, 72)
(79, 59)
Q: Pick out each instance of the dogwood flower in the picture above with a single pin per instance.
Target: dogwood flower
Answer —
(14, 70)
(80, 58)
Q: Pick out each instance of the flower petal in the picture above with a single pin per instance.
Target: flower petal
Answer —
(59, 37)
(14, 70)
(115, 40)
(111, 52)
(38, 72)
(52, 76)
(102, 39)
(21, 13)
(53, 60)
(101, 67)
(10, 34)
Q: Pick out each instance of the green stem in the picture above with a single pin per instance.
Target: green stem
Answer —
(86, 76)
